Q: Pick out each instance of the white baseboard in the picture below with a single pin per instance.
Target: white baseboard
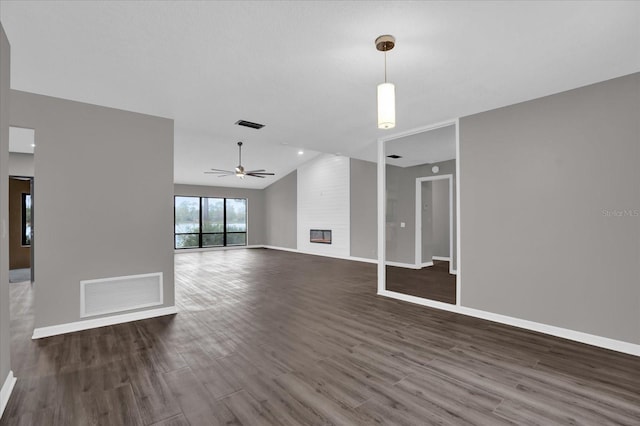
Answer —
(577, 336)
(292, 250)
(195, 250)
(5, 392)
(454, 271)
(443, 258)
(354, 258)
(426, 264)
(53, 330)
(402, 265)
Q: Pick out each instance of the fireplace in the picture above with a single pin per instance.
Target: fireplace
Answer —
(320, 236)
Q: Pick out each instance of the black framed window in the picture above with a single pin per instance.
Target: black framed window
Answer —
(26, 219)
(209, 222)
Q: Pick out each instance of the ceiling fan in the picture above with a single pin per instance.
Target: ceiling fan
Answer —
(240, 171)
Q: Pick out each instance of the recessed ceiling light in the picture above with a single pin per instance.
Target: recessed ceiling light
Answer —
(301, 152)
(33, 145)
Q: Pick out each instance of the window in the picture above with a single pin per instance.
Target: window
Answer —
(210, 222)
(26, 219)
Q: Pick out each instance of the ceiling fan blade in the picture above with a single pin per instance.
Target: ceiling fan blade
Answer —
(256, 171)
(219, 173)
(252, 175)
(220, 170)
(262, 174)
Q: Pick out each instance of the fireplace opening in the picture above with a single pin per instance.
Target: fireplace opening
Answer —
(321, 236)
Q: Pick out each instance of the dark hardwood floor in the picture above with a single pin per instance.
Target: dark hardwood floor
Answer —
(276, 338)
(433, 282)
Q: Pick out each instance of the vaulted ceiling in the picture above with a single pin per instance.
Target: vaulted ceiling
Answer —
(309, 69)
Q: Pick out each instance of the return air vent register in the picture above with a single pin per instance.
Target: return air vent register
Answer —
(251, 124)
(118, 294)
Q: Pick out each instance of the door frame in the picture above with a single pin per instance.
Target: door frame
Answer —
(418, 239)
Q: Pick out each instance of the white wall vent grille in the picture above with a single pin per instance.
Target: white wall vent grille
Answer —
(117, 294)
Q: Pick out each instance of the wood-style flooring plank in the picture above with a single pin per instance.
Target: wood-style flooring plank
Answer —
(278, 338)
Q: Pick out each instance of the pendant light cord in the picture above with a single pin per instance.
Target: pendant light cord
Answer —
(385, 66)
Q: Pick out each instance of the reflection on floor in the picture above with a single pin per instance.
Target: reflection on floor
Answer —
(434, 282)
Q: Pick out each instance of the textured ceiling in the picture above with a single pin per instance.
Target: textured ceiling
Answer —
(308, 70)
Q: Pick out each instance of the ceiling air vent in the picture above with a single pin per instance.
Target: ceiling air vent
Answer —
(249, 124)
(394, 156)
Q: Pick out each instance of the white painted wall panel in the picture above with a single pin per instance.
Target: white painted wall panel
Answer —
(323, 203)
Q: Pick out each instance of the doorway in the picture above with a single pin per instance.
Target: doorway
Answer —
(21, 204)
(20, 228)
(434, 221)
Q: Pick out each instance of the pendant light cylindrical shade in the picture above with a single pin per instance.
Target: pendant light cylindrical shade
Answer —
(386, 90)
(386, 106)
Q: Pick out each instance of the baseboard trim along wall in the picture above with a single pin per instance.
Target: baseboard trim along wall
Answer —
(443, 258)
(426, 264)
(355, 259)
(5, 392)
(403, 265)
(54, 330)
(577, 336)
(194, 250)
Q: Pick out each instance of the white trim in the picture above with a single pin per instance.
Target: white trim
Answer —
(382, 201)
(577, 336)
(426, 264)
(382, 197)
(417, 130)
(70, 327)
(194, 250)
(442, 258)
(402, 265)
(281, 248)
(458, 230)
(83, 284)
(418, 206)
(334, 256)
(5, 392)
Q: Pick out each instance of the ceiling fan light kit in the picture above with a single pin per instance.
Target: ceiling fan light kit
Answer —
(386, 90)
(239, 171)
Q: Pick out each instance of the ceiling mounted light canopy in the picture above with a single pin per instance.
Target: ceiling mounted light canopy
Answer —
(386, 90)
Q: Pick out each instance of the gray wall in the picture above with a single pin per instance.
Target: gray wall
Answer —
(5, 339)
(255, 202)
(363, 209)
(550, 203)
(401, 199)
(280, 212)
(104, 186)
(441, 219)
(20, 164)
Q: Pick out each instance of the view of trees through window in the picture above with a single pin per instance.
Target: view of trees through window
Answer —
(210, 222)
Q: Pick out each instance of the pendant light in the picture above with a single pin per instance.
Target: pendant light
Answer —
(386, 91)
